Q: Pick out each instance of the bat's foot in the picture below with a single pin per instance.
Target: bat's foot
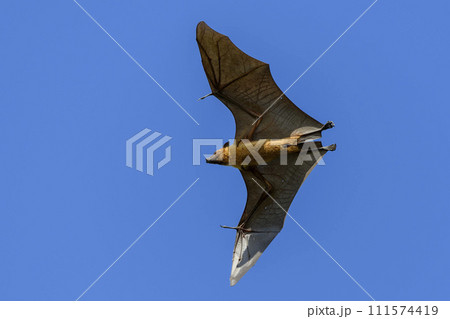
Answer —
(331, 147)
(303, 134)
(328, 125)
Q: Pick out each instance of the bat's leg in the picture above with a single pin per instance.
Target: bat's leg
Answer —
(326, 126)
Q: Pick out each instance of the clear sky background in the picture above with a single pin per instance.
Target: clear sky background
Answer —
(70, 98)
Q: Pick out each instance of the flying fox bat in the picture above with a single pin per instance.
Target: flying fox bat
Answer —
(274, 147)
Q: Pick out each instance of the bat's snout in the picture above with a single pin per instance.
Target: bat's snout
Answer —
(216, 158)
(212, 160)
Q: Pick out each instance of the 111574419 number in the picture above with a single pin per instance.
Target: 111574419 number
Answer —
(403, 310)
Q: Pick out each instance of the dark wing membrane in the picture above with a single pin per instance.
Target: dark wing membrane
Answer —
(264, 216)
(247, 88)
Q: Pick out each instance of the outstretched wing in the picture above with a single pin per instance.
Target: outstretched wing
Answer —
(265, 210)
(247, 88)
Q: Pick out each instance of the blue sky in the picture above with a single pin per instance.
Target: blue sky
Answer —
(70, 98)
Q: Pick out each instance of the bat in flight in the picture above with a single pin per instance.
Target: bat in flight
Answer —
(274, 146)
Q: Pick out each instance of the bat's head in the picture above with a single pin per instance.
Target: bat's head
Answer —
(220, 156)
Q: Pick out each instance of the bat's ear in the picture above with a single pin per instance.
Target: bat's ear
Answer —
(226, 144)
